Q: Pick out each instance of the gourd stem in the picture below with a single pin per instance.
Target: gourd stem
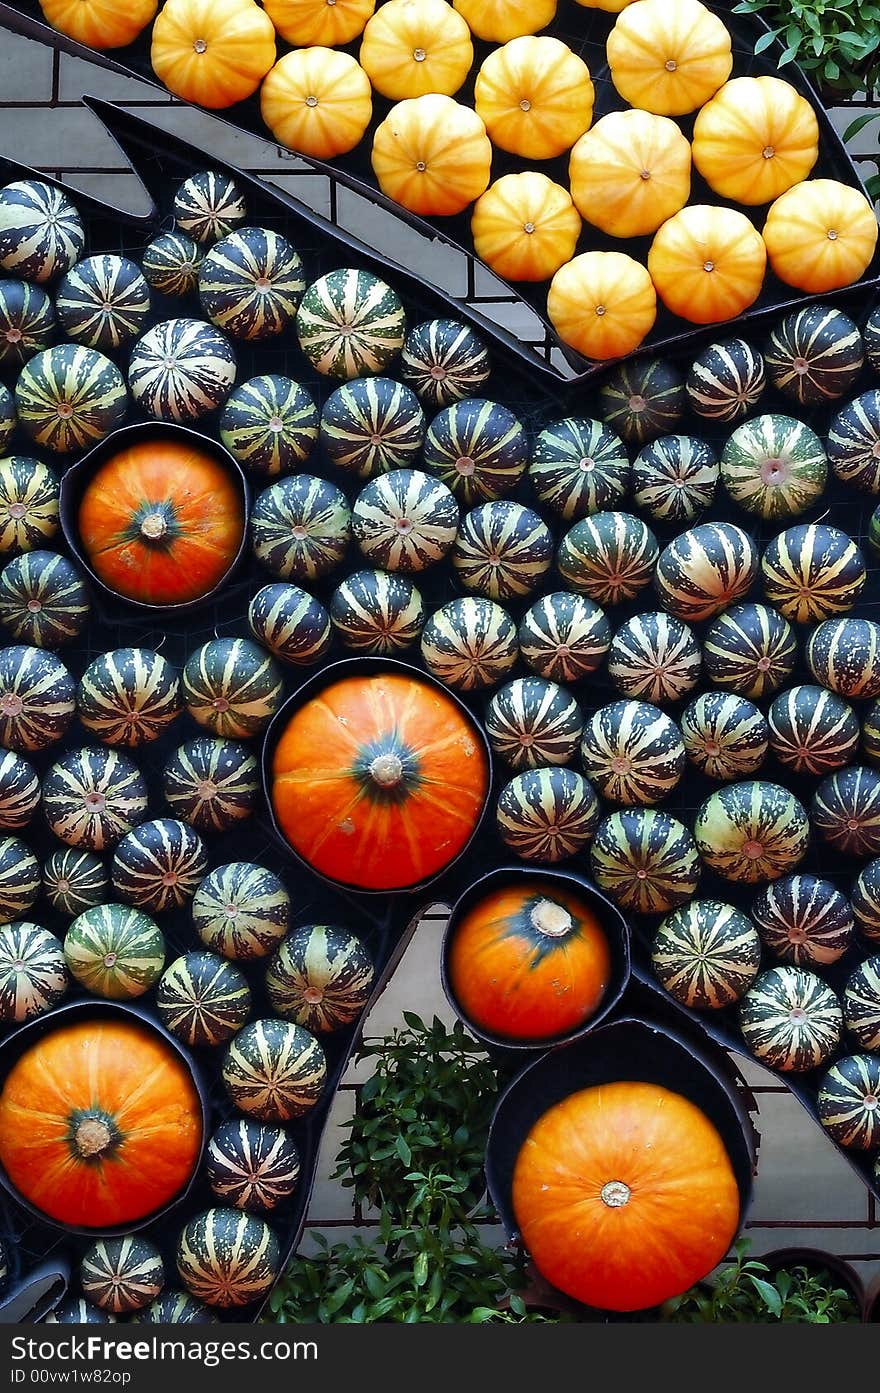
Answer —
(551, 919)
(92, 1137)
(387, 770)
(154, 526)
(615, 1193)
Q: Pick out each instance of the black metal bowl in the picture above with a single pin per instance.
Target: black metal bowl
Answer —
(77, 478)
(609, 916)
(311, 687)
(19, 1041)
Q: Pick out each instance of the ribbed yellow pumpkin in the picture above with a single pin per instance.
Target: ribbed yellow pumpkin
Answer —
(610, 6)
(432, 155)
(525, 227)
(322, 22)
(668, 56)
(820, 235)
(497, 21)
(99, 23)
(630, 173)
(707, 263)
(602, 304)
(212, 52)
(535, 97)
(411, 47)
(755, 138)
(317, 101)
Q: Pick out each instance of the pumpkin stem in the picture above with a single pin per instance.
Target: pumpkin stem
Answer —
(387, 770)
(551, 919)
(615, 1194)
(92, 1136)
(154, 526)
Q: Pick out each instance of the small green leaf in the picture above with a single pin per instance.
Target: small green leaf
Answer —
(769, 1295)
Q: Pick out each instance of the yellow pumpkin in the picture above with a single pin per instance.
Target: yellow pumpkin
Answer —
(497, 21)
(432, 155)
(535, 97)
(820, 235)
(317, 101)
(99, 23)
(411, 47)
(212, 52)
(322, 22)
(525, 227)
(668, 56)
(602, 304)
(707, 263)
(630, 173)
(755, 139)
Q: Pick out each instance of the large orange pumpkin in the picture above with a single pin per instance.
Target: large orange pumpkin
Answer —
(317, 101)
(630, 173)
(755, 139)
(161, 522)
(99, 23)
(100, 1124)
(602, 304)
(625, 1195)
(212, 52)
(379, 781)
(707, 263)
(820, 235)
(411, 47)
(529, 962)
(535, 97)
(525, 227)
(322, 22)
(668, 56)
(431, 154)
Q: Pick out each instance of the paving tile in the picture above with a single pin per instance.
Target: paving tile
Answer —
(214, 135)
(124, 191)
(800, 1174)
(25, 73)
(329, 1200)
(77, 76)
(57, 138)
(311, 189)
(442, 265)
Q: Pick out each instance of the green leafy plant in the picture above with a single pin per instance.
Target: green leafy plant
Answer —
(872, 184)
(836, 41)
(745, 1291)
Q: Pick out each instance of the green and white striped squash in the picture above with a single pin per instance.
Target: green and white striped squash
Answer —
(548, 814)
(812, 572)
(27, 322)
(871, 734)
(861, 1004)
(373, 612)
(251, 282)
(19, 790)
(43, 600)
(33, 974)
(69, 397)
(203, 999)
(208, 205)
(848, 1102)
(241, 910)
(844, 656)
(41, 232)
(724, 735)
(274, 1070)
(159, 865)
(872, 339)
(845, 810)
(578, 467)
(531, 722)
(502, 550)
(751, 832)
(478, 448)
(654, 657)
(864, 898)
(469, 644)
(350, 324)
(564, 637)
(181, 369)
(250, 1165)
(750, 650)
(610, 557)
(122, 1274)
(406, 521)
(8, 417)
(228, 1258)
(706, 954)
(705, 569)
(853, 442)
(175, 1308)
(270, 425)
(726, 380)
(444, 361)
(128, 696)
(74, 881)
(211, 783)
(814, 355)
(790, 1020)
(645, 860)
(75, 1310)
(28, 504)
(115, 951)
(774, 466)
(37, 698)
(92, 797)
(20, 878)
(300, 527)
(674, 478)
(291, 623)
(321, 977)
(632, 753)
(171, 262)
(642, 398)
(812, 731)
(371, 425)
(232, 687)
(804, 921)
(103, 302)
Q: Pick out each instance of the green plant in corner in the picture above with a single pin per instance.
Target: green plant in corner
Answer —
(744, 1291)
(836, 42)
(873, 183)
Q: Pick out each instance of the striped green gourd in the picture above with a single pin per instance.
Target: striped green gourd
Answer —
(645, 860)
(19, 790)
(33, 974)
(674, 479)
(478, 448)
(128, 696)
(115, 951)
(69, 397)
(654, 657)
(406, 521)
(751, 832)
(74, 881)
(444, 360)
(853, 442)
(502, 550)
(321, 977)
(844, 656)
(28, 504)
(20, 878)
(181, 369)
(211, 783)
(861, 1004)
(371, 425)
(175, 1308)
(300, 527)
(274, 1070)
(564, 637)
(232, 687)
(845, 810)
(724, 735)
(103, 302)
(208, 205)
(27, 322)
(531, 722)
(92, 797)
(814, 355)
(642, 398)
(610, 557)
(374, 612)
(547, 815)
(469, 644)
(578, 467)
(848, 1102)
(251, 1165)
(41, 232)
(241, 911)
(864, 898)
(750, 650)
(706, 954)
(726, 380)
(75, 1310)
(8, 417)
(813, 572)
(122, 1274)
(203, 999)
(291, 623)
(159, 865)
(170, 263)
(251, 282)
(350, 324)
(705, 569)
(632, 753)
(37, 698)
(227, 1258)
(270, 425)
(804, 920)
(43, 600)
(872, 339)
(774, 466)
(790, 1020)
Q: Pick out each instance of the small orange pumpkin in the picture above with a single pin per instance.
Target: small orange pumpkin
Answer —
(602, 303)
(525, 227)
(497, 21)
(212, 52)
(707, 263)
(755, 139)
(317, 101)
(625, 1195)
(99, 23)
(630, 173)
(325, 23)
(535, 96)
(411, 47)
(820, 235)
(431, 154)
(668, 56)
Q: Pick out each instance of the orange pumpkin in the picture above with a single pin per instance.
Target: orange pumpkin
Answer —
(602, 303)
(432, 155)
(100, 1124)
(212, 52)
(317, 101)
(525, 227)
(820, 235)
(755, 139)
(668, 56)
(161, 522)
(624, 1195)
(322, 22)
(707, 263)
(99, 23)
(630, 173)
(535, 97)
(379, 782)
(500, 20)
(529, 962)
(411, 47)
